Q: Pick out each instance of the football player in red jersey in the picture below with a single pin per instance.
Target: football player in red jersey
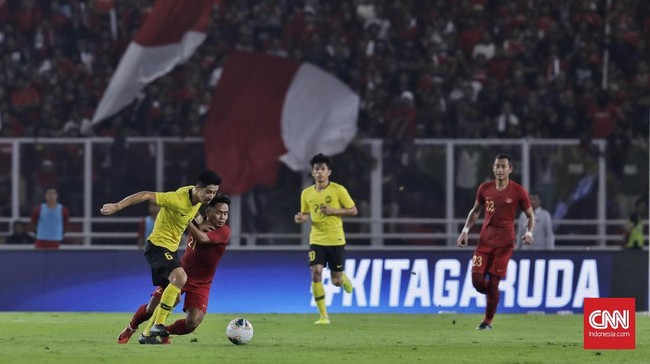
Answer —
(500, 199)
(205, 248)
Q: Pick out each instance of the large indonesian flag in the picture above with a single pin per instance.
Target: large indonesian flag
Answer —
(169, 36)
(267, 109)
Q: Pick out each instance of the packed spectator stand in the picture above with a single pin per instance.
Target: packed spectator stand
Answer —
(423, 68)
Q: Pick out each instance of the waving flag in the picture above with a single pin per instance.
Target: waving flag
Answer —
(267, 109)
(169, 36)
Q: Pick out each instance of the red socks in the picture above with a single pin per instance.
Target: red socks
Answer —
(179, 328)
(139, 317)
(492, 298)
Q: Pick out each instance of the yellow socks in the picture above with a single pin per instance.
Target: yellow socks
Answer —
(347, 284)
(150, 322)
(167, 301)
(319, 296)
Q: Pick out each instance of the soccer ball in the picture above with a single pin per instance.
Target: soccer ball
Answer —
(239, 331)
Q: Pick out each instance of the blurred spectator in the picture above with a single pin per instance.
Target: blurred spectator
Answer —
(532, 68)
(543, 235)
(50, 220)
(633, 234)
(19, 235)
(604, 116)
(57, 58)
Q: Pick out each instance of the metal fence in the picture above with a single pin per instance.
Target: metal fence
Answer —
(408, 194)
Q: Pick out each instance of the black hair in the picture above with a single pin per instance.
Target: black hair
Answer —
(536, 193)
(321, 158)
(220, 198)
(505, 156)
(208, 177)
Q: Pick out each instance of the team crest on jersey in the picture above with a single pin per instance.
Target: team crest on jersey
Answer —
(508, 200)
(328, 199)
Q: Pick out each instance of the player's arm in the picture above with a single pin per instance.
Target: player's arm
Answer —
(344, 200)
(301, 217)
(528, 235)
(134, 199)
(471, 220)
(520, 227)
(200, 232)
(329, 210)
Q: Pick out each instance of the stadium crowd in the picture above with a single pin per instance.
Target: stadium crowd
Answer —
(431, 69)
(423, 68)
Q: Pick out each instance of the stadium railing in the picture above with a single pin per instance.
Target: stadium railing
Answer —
(410, 195)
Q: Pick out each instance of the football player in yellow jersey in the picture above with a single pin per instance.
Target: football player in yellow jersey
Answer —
(325, 202)
(177, 209)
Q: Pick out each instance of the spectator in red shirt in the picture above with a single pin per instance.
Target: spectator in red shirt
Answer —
(604, 116)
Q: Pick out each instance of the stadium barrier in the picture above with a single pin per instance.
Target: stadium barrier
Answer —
(277, 281)
(418, 196)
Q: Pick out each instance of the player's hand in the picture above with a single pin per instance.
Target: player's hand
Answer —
(326, 210)
(298, 218)
(109, 209)
(527, 239)
(206, 227)
(462, 239)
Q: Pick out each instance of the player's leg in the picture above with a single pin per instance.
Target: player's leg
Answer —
(142, 314)
(166, 271)
(497, 270)
(195, 307)
(480, 261)
(480, 265)
(492, 298)
(177, 280)
(316, 263)
(337, 268)
(193, 318)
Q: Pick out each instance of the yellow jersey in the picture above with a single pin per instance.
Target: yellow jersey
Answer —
(325, 230)
(176, 212)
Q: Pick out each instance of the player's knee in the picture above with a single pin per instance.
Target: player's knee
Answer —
(479, 284)
(178, 277)
(193, 322)
(316, 275)
(337, 281)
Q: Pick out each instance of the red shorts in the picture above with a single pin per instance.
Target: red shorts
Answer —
(47, 244)
(492, 260)
(196, 295)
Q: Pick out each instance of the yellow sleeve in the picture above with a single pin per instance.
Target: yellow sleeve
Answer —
(344, 198)
(167, 199)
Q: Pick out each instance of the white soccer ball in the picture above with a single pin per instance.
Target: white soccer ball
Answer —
(239, 331)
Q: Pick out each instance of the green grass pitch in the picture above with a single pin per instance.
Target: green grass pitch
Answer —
(351, 338)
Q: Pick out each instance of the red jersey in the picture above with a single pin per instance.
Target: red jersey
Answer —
(201, 259)
(500, 208)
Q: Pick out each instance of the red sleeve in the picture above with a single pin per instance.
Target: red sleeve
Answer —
(66, 218)
(35, 214)
(480, 194)
(219, 236)
(524, 200)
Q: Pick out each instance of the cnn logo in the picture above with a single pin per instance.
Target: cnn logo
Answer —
(603, 319)
(609, 323)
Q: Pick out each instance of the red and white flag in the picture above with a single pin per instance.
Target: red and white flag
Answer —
(267, 109)
(169, 36)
